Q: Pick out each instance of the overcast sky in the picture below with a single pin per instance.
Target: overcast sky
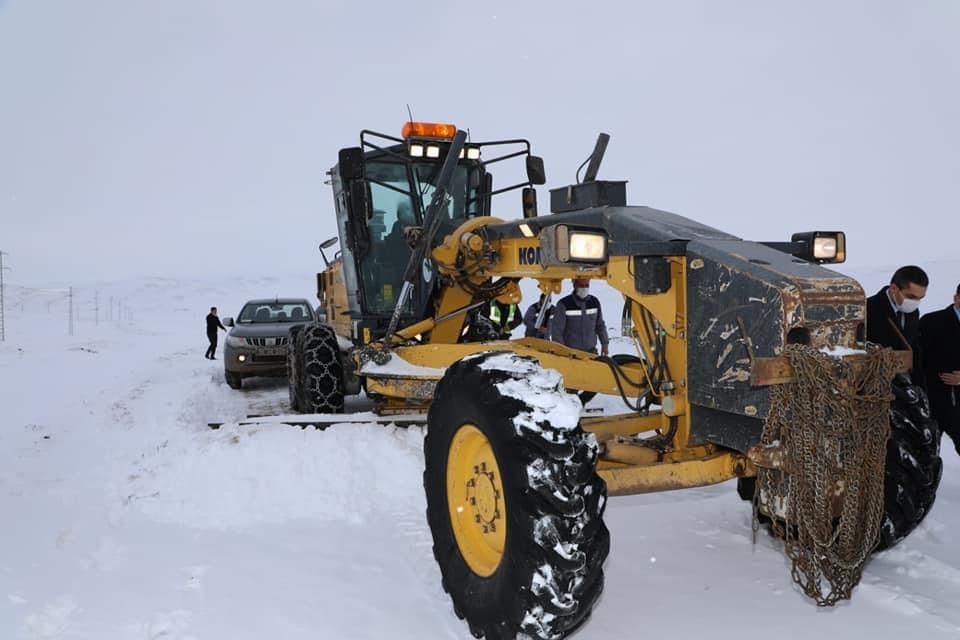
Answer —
(191, 136)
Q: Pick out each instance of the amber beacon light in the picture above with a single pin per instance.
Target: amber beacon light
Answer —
(428, 130)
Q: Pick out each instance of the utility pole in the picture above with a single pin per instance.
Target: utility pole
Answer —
(3, 328)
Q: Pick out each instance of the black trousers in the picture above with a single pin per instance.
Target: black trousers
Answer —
(212, 349)
(948, 416)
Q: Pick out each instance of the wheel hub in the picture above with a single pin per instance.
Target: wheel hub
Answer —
(475, 500)
(483, 495)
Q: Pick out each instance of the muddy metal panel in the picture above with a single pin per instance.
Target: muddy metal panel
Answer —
(744, 298)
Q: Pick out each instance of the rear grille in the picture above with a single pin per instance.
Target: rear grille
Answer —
(267, 342)
(269, 359)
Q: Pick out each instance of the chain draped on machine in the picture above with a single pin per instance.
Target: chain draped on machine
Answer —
(826, 502)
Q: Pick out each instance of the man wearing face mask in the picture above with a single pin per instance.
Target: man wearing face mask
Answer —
(893, 315)
(940, 339)
(578, 320)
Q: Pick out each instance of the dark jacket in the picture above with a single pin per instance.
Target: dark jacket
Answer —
(578, 323)
(940, 343)
(212, 323)
(530, 321)
(881, 323)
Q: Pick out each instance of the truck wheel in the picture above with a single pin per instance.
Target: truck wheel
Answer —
(234, 381)
(913, 467)
(513, 499)
(294, 356)
(320, 371)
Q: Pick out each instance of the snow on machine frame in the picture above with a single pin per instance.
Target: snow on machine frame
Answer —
(753, 367)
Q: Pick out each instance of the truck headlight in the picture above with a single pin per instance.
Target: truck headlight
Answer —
(235, 341)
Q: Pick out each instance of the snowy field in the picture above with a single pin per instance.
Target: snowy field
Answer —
(125, 517)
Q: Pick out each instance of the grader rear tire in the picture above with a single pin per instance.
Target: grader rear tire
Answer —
(513, 501)
(914, 466)
(294, 364)
(320, 372)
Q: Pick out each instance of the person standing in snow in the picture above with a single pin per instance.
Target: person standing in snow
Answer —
(940, 341)
(530, 320)
(893, 316)
(578, 320)
(213, 323)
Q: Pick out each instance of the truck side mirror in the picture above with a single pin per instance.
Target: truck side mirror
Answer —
(228, 322)
(535, 172)
(350, 162)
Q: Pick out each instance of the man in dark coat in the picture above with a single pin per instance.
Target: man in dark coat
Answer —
(578, 320)
(940, 341)
(893, 316)
(530, 321)
(213, 322)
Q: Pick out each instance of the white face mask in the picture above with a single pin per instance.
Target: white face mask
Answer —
(909, 305)
(581, 292)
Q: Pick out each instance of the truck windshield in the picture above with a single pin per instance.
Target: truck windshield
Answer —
(265, 312)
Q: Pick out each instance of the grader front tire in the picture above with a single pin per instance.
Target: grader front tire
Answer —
(513, 501)
(913, 467)
(912, 470)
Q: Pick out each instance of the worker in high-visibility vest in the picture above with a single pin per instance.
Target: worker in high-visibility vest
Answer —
(504, 317)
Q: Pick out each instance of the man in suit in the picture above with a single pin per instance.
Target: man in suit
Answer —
(893, 316)
(940, 341)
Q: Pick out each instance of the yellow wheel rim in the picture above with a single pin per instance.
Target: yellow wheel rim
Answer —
(475, 500)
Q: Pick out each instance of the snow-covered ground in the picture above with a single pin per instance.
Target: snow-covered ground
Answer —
(125, 517)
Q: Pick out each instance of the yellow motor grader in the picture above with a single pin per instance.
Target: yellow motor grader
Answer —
(750, 365)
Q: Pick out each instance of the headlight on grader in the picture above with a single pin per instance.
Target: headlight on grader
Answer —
(822, 246)
(563, 244)
(588, 246)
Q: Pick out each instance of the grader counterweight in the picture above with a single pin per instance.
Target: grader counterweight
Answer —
(747, 365)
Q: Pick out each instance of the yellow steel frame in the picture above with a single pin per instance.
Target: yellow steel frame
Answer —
(626, 465)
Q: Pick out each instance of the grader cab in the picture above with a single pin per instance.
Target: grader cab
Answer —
(747, 366)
